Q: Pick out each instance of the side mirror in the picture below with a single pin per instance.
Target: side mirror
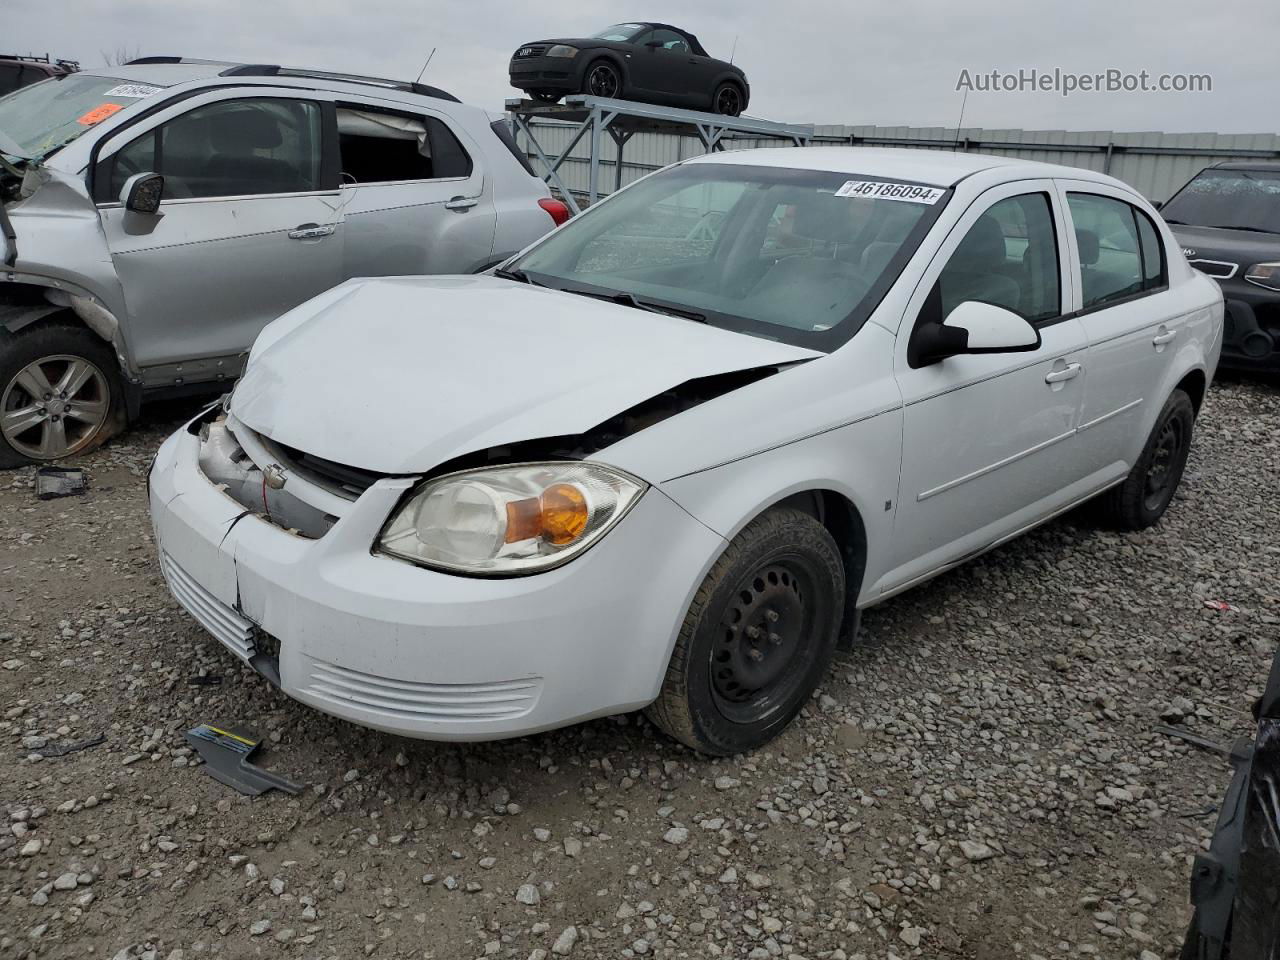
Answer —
(972, 327)
(142, 193)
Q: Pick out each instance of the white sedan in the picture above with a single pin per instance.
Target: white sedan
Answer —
(664, 457)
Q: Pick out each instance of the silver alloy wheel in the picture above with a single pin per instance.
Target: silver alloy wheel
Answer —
(54, 407)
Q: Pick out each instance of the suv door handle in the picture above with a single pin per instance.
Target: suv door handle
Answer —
(461, 203)
(311, 231)
(1163, 337)
(1069, 372)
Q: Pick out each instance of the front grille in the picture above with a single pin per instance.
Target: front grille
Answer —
(228, 627)
(411, 700)
(337, 478)
(1218, 269)
(530, 51)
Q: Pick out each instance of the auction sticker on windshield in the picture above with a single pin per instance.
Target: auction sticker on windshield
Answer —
(98, 114)
(878, 190)
(133, 91)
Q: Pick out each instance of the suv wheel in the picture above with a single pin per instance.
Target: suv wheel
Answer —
(757, 638)
(59, 394)
(1145, 494)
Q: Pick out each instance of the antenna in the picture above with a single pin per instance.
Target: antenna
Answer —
(425, 65)
(735, 48)
(956, 146)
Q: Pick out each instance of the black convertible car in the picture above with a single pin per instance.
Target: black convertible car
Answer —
(652, 62)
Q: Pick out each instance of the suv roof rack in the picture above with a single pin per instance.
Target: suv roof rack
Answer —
(275, 70)
(72, 65)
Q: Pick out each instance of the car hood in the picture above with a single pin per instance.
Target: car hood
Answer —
(1245, 247)
(399, 375)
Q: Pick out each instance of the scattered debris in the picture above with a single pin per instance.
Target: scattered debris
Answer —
(1220, 605)
(205, 680)
(1204, 743)
(226, 756)
(61, 750)
(54, 482)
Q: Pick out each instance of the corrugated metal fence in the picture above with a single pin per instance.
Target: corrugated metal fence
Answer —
(1155, 163)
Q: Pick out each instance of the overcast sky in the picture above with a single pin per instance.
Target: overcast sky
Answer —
(819, 62)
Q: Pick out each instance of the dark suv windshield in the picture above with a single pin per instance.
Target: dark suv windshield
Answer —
(801, 256)
(45, 116)
(1240, 199)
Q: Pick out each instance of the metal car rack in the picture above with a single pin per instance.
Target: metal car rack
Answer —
(622, 119)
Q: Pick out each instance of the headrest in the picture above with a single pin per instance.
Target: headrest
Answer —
(982, 246)
(1087, 241)
(232, 132)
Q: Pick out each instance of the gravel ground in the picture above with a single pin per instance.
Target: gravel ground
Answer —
(979, 779)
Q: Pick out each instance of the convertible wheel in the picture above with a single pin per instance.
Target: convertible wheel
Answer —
(545, 96)
(1145, 494)
(757, 638)
(59, 395)
(728, 100)
(602, 80)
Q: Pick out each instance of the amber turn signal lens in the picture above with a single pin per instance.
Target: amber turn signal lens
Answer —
(559, 516)
(564, 513)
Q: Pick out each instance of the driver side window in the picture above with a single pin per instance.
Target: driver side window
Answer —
(1009, 258)
(228, 149)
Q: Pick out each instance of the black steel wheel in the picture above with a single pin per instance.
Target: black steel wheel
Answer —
(1147, 491)
(728, 100)
(757, 638)
(602, 80)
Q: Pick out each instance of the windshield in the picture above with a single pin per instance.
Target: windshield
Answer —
(45, 116)
(800, 256)
(619, 32)
(1241, 199)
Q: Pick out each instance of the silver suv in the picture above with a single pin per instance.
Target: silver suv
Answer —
(156, 216)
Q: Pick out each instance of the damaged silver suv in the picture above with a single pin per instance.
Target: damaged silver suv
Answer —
(155, 216)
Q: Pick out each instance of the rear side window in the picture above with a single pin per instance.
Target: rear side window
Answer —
(1008, 258)
(379, 146)
(1120, 250)
(232, 148)
(10, 78)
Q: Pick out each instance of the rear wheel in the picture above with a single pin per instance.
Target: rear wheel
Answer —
(757, 638)
(728, 100)
(1146, 493)
(59, 394)
(602, 80)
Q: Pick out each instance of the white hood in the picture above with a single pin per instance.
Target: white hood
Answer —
(401, 374)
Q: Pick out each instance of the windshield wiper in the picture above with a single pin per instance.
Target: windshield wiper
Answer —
(631, 300)
(519, 276)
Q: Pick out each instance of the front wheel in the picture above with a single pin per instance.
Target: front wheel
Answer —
(59, 394)
(545, 96)
(602, 80)
(757, 638)
(1141, 500)
(727, 100)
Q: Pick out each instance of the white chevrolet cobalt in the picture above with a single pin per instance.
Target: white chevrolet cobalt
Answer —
(662, 458)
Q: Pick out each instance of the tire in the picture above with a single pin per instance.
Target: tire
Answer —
(92, 412)
(757, 639)
(1141, 500)
(727, 100)
(602, 76)
(545, 96)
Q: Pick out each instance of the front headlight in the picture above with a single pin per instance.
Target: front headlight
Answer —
(508, 520)
(562, 50)
(1264, 275)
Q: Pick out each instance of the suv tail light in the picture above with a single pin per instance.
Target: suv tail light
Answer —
(559, 211)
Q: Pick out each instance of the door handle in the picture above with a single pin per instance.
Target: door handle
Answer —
(1165, 336)
(461, 203)
(311, 231)
(1069, 372)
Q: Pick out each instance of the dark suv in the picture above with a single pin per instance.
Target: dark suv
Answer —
(17, 72)
(1227, 219)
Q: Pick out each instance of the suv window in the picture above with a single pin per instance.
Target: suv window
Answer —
(10, 78)
(233, 148)
(1120, 250)
(378, 146)
(1008, 258)
(669, 39)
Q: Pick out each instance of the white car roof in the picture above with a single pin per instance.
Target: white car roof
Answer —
(159, 74)
(937, 167)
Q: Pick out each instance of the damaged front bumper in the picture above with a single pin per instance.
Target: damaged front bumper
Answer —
(396, 647)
